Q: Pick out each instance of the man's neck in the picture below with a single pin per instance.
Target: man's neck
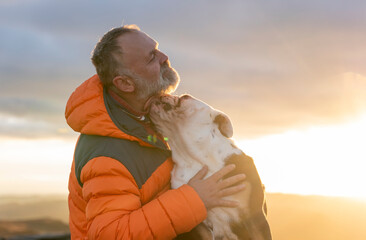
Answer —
(130, 103)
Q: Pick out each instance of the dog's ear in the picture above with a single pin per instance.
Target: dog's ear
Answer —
(224, 124)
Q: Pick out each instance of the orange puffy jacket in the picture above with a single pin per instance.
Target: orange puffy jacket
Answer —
(119, 185)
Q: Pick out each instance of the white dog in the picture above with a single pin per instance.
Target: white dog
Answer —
(199, 135)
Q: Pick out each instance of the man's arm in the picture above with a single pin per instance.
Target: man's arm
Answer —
(114, 209)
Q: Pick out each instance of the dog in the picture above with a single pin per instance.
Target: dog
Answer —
(199, 135)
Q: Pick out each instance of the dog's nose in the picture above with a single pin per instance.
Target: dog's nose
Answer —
(152, 100)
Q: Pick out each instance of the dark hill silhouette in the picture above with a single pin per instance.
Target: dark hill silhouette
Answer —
(292, 217)
(33, 207)
(9, 229)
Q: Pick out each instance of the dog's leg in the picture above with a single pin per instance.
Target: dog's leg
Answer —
(200, 232)
(220, 219)
(204, 232)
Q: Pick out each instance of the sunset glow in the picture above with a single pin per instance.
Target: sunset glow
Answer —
(322, 160)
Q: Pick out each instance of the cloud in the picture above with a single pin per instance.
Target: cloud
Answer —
(32, 118)
(23, 107)
(16, 127)
(271, 66)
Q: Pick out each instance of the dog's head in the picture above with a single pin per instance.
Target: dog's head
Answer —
(190, 118)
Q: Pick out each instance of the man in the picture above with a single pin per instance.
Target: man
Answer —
(119, 185)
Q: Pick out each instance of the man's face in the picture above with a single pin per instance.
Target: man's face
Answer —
(149, 67)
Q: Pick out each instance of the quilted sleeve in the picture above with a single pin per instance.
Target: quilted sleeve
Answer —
(114, 209)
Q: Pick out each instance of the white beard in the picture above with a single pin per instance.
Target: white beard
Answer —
(167, 83)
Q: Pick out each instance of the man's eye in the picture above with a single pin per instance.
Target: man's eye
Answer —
(153, 57)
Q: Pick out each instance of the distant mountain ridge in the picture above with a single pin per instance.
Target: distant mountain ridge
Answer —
(32, 227)
(296, 217)
(292, 217)
(34, 207)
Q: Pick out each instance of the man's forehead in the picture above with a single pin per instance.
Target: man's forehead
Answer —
(136, 41)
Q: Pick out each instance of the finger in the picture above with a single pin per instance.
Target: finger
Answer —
(226, 203)
(231, 190)
(201, 173)
(231, 180)
(225, 170)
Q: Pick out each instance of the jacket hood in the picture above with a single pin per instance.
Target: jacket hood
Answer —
(86, 112)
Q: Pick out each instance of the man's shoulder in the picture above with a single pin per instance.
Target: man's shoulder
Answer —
(91, 146)
(139, 160)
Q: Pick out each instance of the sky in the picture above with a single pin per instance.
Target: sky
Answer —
(290, 74)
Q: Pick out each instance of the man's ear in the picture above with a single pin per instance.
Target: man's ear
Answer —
(124, 84)
(224, 124)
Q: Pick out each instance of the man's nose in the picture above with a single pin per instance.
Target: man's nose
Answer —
(163, 58)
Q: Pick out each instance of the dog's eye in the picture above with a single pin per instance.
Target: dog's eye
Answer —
(178, 104)
(167, 107)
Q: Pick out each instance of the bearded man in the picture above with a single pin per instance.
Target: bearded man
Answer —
(119, 185)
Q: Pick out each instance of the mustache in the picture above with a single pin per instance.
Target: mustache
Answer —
(166, 65)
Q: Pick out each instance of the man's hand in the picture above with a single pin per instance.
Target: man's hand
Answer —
(212, 189)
